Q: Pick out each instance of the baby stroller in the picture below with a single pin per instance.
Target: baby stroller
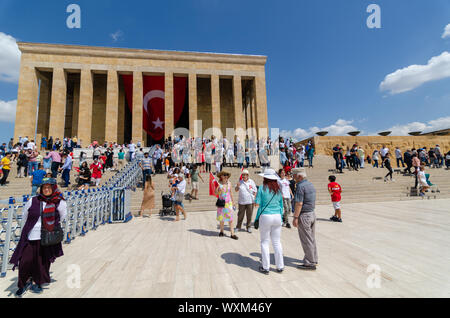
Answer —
(167, 205)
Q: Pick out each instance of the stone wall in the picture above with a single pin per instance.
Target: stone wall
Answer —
(324, 145)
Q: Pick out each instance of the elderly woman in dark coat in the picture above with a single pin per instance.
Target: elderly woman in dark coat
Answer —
(30, 256)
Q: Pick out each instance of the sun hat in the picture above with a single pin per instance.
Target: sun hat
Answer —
(48, 181)
(298, 170)
(245, 171)
(270, 174)
(223, 173)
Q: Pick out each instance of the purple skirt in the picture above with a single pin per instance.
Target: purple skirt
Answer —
(34, 264)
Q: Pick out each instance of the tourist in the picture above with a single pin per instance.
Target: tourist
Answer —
(96, 168)
(36, 178)
(387, 164)
(146, 166)
(6, 168)
(194, 175)
(447, 160)
(22, 164)
(361, 156)
(421, 176)
(247, 193)
(399, 157)
(439, 157)
(269, 200)
(148, 201)
(32, 162)
(30, 256)
(96, 153)
(354, 161)
(121, 156)
(180, 189)
(375, 158)
(305, 218)
(56, 162)
(109, 158)
(416, 165)
(287, 196)
(84, 178)
(67, 166)
(383, 152)
(140, 155)
(225, 203)
(407, 157)
(335, 191)
(348, 158)
(336, 157)
(131, 150)
(311, 155)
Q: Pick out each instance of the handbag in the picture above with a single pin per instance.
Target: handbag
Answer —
(49, 238)
(256, 223)
(220, 203)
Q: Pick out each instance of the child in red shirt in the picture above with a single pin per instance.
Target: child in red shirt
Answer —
(335, 191)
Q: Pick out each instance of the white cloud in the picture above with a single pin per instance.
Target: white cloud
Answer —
(116, 36)
(340, 128)
(446, 33)
(9, 59)
(413, 76)
(432, 125)
(8, 111)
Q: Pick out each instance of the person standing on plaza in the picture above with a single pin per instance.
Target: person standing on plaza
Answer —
(269, 200)
(335, 191)
(194, 175)
(45, 211)
(361, 157)
(146, 166)
(375, 158)
(148, 201)
(225, 208)
(247, 193)
(305, 218)
(6, 168)
(399, 157)
(287, 196)
(180, 190)
(67, 166)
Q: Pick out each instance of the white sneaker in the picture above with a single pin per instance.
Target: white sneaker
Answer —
(249, 230)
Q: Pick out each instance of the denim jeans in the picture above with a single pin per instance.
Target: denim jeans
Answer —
(34, 189)
(66, 177)
(32, 166)
(398, 162)
(144, 176)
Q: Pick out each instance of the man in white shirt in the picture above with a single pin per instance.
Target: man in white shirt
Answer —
(179, 196)
(383, 152)
(247, 194)
(131, 149)
(399, 157)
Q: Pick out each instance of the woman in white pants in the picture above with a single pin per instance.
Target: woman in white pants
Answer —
(270, 217)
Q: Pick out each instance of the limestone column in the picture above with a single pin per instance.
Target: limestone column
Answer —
(239, 120)
(112, 106)
(44, 103)
(261, 105)
(58, 104)
(76, 107)
(193, 111)
(168, 105)
(138, 100)
(85, 108)
(121, 123)
(215, 100)
(27, 100)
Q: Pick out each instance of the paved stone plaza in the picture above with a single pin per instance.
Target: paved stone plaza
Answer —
(153, 257)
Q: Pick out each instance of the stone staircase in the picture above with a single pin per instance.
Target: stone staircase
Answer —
(358, 186)
(364, 185)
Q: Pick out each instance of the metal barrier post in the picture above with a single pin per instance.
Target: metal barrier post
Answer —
(6, 245)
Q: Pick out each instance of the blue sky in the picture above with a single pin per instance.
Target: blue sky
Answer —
(324, 63)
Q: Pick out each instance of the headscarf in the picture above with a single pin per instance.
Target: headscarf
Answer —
(52, 201)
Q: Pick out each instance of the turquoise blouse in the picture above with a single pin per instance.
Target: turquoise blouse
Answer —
(262, 199)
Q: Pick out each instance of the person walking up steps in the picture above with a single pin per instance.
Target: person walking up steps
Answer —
(335, 191)
(387, 164)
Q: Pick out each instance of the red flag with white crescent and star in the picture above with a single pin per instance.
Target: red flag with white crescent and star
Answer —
(154, 102)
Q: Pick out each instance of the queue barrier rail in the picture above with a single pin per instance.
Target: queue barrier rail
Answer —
(86, 211)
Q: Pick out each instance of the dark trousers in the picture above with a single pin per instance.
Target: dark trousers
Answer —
(33, 265)
(66, 177)
(54, 168)
(245, 209)
(5, 176)
(145, 173)
(408, 167)
(398, 162)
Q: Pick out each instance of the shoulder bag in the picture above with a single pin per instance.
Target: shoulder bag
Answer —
(54, 237)
(256, 224)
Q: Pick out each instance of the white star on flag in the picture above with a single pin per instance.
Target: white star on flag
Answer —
(158, 123)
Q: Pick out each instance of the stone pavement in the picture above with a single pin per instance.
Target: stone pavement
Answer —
(156, 257)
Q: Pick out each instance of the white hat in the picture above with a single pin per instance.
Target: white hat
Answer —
(245, 171)
(270, 174)
(175, 175)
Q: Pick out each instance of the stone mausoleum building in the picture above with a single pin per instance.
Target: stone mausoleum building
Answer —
(119, 95)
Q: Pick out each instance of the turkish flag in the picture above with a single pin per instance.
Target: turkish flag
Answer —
(213, 184)
(154, 102)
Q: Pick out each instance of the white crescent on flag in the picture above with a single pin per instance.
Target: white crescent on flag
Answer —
(150, 95)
